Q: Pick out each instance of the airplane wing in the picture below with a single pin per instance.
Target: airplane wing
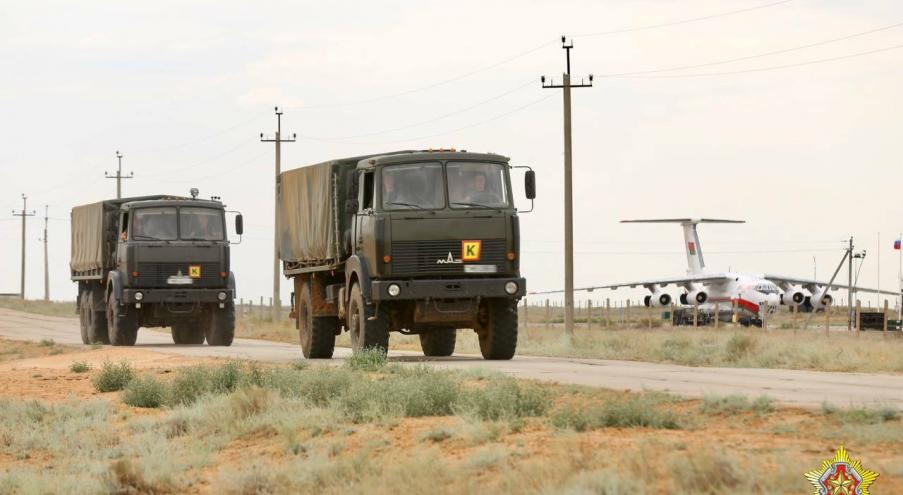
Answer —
(813, 284)
(662, 282)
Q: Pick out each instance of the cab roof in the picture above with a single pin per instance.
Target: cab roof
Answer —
(170, 201)
(427, 155)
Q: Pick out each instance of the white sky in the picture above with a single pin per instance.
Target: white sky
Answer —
(807, 155)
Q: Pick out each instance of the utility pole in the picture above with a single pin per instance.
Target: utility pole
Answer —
(850, 286)
(24, 214)
(568, 186)
(46, 275)
(277, 303)
(119, 176)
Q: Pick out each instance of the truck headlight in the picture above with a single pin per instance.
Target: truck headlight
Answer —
(139, 296)
(221, 296)
(393, 290)
(511, 287)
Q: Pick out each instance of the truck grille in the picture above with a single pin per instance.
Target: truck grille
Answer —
(156, 274)
(416, 257)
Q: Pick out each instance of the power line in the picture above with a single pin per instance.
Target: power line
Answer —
(684, 21)
(204, 161)
(774, 67)
(119, 176)
(202, 139)
(429, 121)
(758, 55)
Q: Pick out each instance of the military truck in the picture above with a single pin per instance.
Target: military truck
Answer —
(416, 242)
(153, 261)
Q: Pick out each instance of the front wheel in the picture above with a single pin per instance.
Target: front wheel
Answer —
(317, 333)
(368, 326)
(498, 337)
(122, 323)
(221, 328)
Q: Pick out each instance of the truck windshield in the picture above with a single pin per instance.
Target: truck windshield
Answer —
(477, 185)
(154, 224)
(201, 224)
(415, 186)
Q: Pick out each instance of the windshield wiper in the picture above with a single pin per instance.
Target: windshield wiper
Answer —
(480, 205)
(411, 205)
(147, 237)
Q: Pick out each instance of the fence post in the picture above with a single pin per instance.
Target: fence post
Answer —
(858, 326)
(885, 320)
(764, 312)
(526, 314)
(548, 314)
(695, 315)
(717, 313)
(589, 314)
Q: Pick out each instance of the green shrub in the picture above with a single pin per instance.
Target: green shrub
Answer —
(735, 404)
(113, 377)
(506, 399)
(862, 415)
(628, 412)
(144, 392)
(80, 367)
(47, 343)
(188, 385)
(418, 392)
(372, 359)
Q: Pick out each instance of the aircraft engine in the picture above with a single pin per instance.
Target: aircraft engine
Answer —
(657, 298)
(826, 299)
(793, 296)
(696, 296)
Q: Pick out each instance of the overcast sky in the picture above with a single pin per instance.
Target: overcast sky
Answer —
(807, 154)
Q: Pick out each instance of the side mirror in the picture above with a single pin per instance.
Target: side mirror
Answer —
(530, 184)
(351, 205)
(239, 224)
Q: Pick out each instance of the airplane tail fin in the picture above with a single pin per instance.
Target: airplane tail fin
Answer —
(695, 262)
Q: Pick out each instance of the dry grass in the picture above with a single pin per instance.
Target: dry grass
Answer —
(40, 307)
(15, 349)
(241, 428)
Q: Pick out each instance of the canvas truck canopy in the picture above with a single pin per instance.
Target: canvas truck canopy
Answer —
(87, 237)
(311, 219)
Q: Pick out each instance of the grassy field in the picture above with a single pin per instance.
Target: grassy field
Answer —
(240, 428)
(49, 308)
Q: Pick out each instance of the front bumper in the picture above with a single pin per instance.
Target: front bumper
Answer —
(448, 288)
(152, 296)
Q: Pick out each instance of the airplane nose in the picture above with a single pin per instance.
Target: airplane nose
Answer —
(773, 300)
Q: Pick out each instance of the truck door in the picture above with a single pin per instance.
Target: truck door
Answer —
(122, 243)
(362, 236)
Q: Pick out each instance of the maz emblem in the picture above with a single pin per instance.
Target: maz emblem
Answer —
(449, 261)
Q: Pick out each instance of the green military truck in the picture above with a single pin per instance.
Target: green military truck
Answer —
(417, 242)
(153, 261)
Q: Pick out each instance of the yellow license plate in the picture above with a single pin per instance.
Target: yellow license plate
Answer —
(470, 250)
(194, 271)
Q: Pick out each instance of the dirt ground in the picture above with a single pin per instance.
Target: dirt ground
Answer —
(783, 443)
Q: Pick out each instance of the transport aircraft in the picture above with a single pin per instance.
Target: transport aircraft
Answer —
(751, 292)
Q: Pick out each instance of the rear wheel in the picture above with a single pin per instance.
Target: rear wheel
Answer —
(187, 332)
(369, 328)
(122, 323)
(498, 339)
(438, 341)
(95, 320)
(317, 333)
(83, 318)
(221, 327)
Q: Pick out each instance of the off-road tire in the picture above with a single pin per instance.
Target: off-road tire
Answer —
(438, 342)
(221, 328)
(187, 333)
(94, 326)
(498, 339)
(83, 318)
(366, 333)
(317, 333)
(122, 323)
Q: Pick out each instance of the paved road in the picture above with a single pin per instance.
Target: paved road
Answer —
(800, 388)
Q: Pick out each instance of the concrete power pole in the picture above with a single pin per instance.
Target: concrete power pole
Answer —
(119, 176)
(568, 187)
(46, 274)
(277, 303)
(850, 286)
(24, 214)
